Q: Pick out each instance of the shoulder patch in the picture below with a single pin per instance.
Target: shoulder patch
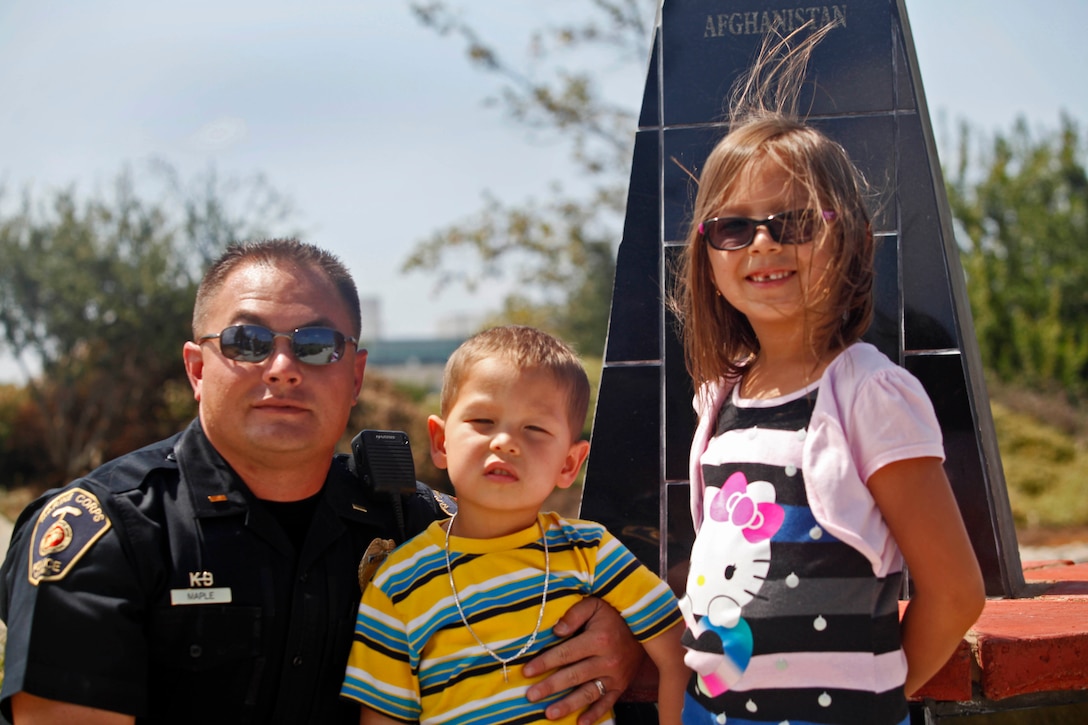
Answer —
(66, 528)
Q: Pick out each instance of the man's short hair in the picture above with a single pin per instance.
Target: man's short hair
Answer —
(288, 252)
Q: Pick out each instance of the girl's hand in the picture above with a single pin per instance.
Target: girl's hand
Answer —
(603, 650)
(916, 501)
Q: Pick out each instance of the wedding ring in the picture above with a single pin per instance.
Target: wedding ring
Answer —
(600, 687)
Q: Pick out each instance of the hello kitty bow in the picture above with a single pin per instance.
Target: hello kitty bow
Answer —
(758, 520)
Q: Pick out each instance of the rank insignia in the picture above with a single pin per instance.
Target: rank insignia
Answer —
(64, 531)
(448, 504)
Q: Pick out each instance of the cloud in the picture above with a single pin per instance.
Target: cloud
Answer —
(220, 134)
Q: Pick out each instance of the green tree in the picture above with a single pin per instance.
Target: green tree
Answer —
(22, 452)
(1021, 201)
(561, 250)
(96, 300)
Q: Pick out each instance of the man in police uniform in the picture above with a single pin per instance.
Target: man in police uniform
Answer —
(212, 577)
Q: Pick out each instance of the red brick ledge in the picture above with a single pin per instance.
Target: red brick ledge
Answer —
(1023, 647)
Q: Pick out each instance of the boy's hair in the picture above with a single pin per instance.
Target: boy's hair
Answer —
(718, 340)
(526, 348)
(274, 252)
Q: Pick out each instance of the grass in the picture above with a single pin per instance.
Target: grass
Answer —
(1043, 441)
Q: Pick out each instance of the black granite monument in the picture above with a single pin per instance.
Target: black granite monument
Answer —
(864, 90)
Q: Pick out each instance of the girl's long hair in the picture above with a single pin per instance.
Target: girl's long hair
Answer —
(765, 129)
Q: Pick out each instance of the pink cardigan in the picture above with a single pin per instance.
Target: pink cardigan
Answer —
(869, 412)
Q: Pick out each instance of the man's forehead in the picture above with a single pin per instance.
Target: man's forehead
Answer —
(257, 287)
(285, 279)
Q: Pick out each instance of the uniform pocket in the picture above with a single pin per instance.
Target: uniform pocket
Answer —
(206, 636)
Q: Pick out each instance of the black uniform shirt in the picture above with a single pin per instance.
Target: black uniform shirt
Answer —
(160, 586)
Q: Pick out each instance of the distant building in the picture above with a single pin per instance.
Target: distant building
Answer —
(418, 362)
(462, 324)
(415, 362)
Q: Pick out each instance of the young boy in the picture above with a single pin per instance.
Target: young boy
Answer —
(451, 616)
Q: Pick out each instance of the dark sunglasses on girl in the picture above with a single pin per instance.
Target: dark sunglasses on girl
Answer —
(254, 343)
(730, 233)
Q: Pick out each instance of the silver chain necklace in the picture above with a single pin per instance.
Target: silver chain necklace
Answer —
(539, 617)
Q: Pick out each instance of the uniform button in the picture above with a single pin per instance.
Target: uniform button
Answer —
(195, 651)
(297, 661)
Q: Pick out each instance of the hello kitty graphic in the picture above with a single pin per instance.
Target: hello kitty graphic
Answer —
(729, 562)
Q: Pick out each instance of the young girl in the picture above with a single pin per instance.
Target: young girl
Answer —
(816, 468)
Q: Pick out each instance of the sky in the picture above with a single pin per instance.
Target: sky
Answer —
(376, 127)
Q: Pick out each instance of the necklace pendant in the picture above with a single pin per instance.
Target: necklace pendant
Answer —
(505, 674)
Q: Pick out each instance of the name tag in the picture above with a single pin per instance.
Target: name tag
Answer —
(211, 595)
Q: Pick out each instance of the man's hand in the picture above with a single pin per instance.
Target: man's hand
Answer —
(602, 650)
(27, 709)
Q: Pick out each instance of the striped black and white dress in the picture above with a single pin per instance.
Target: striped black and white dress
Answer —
(824, 630)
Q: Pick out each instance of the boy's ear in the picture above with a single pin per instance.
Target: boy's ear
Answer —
(576, 456)
(436, 430)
